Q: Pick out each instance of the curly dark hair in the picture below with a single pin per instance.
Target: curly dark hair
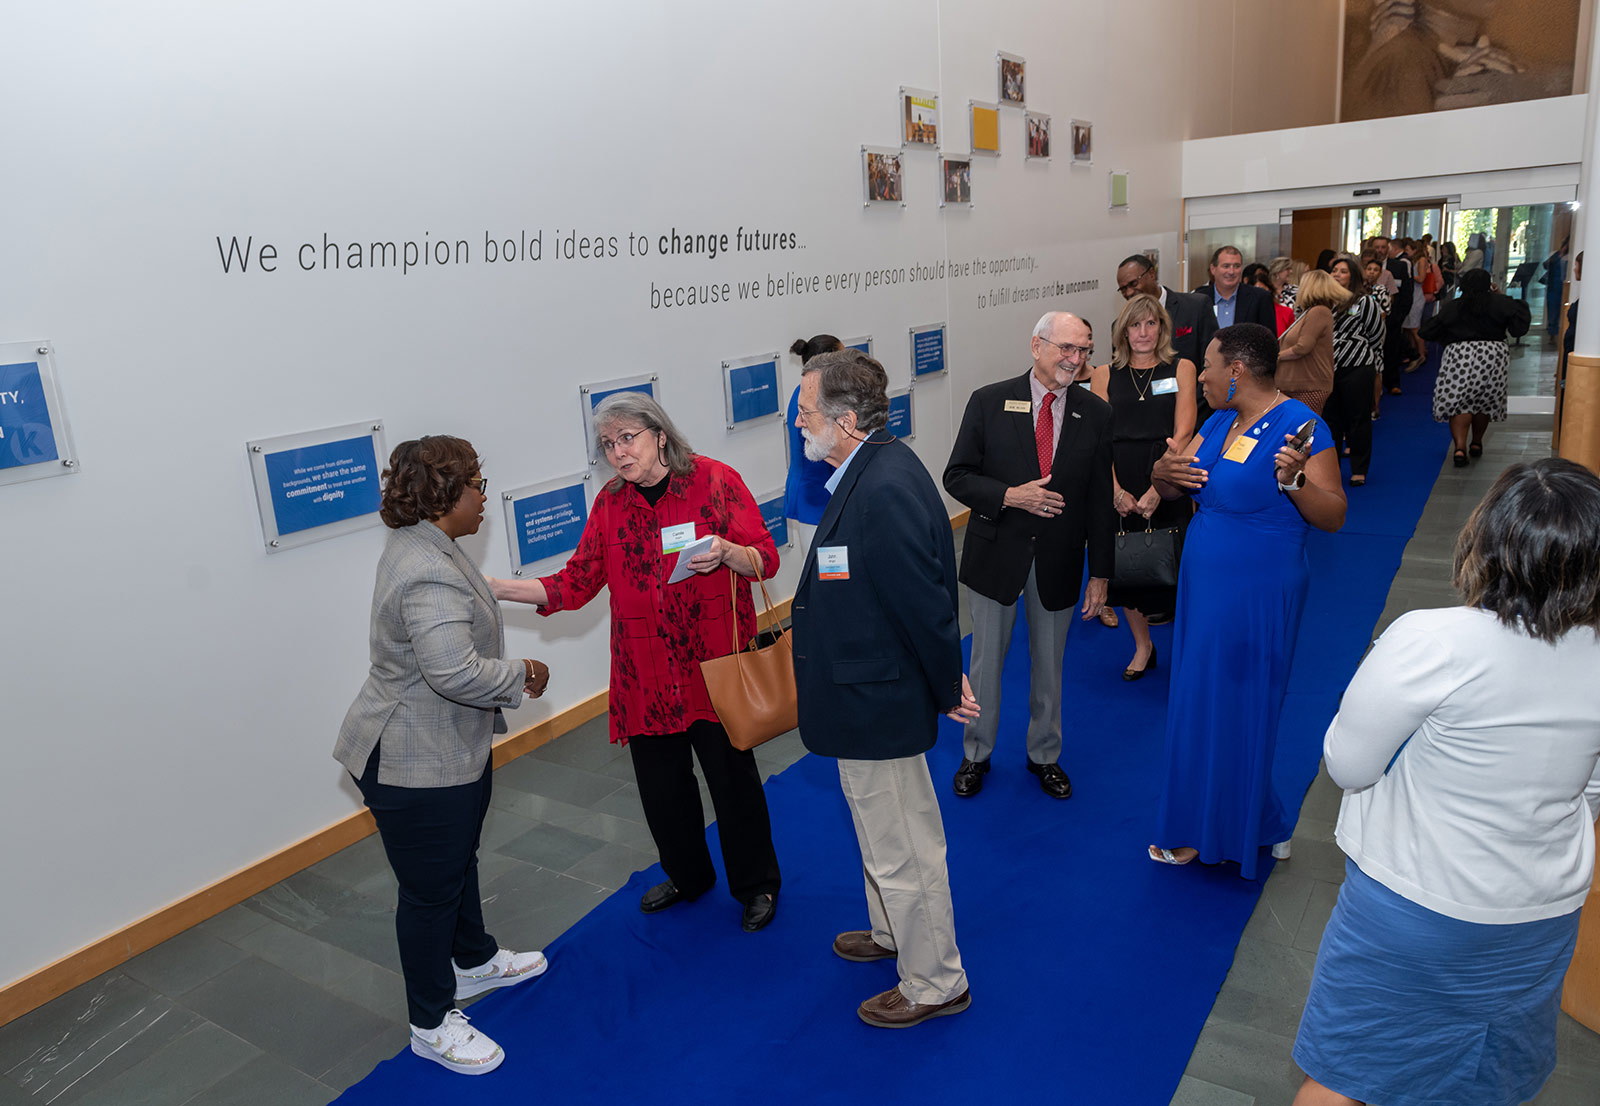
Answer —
(425, 479)
(1530, 552)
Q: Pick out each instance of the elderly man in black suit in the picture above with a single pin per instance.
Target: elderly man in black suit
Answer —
(1033, 461)
(877, 659)
(1233, 301)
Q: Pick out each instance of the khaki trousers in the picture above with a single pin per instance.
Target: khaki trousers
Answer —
(901, 835)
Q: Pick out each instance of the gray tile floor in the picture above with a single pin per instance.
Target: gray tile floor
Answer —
(1243, 1055)
(294, 995)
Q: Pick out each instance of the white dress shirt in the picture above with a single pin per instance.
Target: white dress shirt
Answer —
(1487, 812)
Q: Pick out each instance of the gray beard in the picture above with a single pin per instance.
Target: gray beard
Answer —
(818, 447)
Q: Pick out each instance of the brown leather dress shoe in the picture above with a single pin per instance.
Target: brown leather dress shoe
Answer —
(892, 1010)
(858, 945)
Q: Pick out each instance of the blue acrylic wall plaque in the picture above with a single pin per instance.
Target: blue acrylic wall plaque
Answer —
(927, 350)
(329, 482)
(901, 423)
(318, 483)
(27, 433)
(546, 521)
(772, 514)
(750, 388)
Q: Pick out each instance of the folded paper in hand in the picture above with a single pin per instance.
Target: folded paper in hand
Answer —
(681, 571)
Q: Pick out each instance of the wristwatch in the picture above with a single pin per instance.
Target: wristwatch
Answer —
(1294, 485)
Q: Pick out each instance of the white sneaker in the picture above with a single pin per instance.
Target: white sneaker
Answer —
(457, 1046)
(1280, 851)
(504, 969)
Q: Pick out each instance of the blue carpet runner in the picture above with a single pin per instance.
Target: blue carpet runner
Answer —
(1092, 970)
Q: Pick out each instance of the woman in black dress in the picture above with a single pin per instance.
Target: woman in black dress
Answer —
(1152, 395)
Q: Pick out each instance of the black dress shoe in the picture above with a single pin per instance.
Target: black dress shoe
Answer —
(969, 777)
(1138, 673)
(759, 911)
(1052, 780)
(661, 896)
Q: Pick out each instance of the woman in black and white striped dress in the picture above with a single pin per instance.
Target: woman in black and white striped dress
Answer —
(1358, 332)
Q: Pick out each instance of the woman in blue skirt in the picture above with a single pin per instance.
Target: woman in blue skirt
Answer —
(1467, 745)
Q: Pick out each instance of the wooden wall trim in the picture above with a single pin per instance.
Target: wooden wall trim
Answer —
(54, 980)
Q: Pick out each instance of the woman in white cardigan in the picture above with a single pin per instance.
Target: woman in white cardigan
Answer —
(1467, 745)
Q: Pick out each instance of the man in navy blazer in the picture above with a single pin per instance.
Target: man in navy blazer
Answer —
(1232, 300)
(877, 659)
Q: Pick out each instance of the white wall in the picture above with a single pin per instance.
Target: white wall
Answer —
(171, 692)
(1470, 140)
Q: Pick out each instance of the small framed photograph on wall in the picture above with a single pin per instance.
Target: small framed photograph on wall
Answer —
(881, 177)
(1038, 131)
(955, 181)
(1082, 142)
(919, 117)
(1013, 87)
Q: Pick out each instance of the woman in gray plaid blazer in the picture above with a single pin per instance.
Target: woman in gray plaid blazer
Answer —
(417, 740)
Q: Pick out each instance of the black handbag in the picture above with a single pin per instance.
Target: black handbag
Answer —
(1148, 559)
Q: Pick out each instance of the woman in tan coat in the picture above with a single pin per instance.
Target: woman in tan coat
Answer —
(1305, 352)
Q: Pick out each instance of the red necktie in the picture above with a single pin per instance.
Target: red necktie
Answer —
(1044, 434)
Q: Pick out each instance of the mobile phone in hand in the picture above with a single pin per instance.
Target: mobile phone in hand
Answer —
(1302, 437)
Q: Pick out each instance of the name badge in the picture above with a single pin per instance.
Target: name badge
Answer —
(833, 562)
(1165, 386)
(1240, 449)
(1020, 406)
(674, 538)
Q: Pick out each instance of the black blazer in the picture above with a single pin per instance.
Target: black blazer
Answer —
(1194, 324)
(1255, 305)
(877, 656)
(995, 450)
(1400, 302)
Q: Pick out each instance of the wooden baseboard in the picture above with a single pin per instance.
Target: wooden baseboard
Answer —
(55, 980)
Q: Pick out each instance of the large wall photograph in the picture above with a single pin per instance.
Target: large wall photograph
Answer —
(1435, 55)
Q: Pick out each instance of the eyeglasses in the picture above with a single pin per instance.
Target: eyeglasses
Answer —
(806, 414)
(1068, 349)
(481, 483)
(607, 445)
(1132, 285)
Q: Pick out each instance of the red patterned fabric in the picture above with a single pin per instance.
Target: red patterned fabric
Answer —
(660, 632)
(1044, 434)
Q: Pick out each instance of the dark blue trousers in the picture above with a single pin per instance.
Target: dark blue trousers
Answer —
(431, 837)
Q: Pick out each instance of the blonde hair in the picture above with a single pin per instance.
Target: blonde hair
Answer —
(1137, 309)
(1319, 289)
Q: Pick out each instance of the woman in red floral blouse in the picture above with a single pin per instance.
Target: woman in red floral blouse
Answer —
(663, 497)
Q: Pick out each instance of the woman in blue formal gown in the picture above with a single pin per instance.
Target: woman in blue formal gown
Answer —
(1241, 589)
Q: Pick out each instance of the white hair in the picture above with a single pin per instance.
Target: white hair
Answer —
(1047, 322)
